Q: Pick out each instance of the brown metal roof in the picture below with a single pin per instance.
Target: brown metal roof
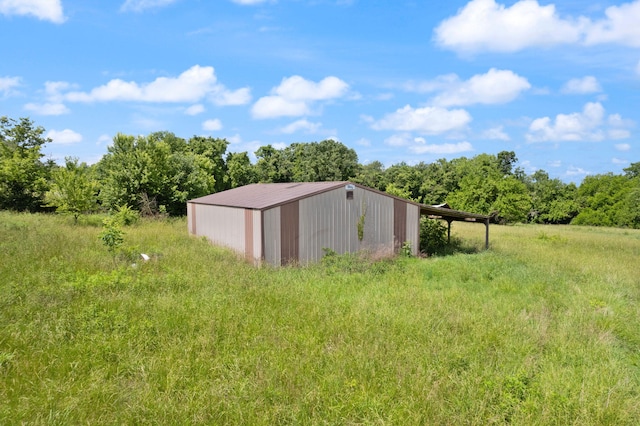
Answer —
(260, 196)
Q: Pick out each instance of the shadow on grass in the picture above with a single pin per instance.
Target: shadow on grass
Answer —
(456, 246)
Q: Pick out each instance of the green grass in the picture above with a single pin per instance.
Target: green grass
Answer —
(544, 328)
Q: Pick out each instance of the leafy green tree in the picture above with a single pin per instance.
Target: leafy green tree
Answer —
(439, 179)
(73, 189)
(553, 201)
(272, 165)
(407, 178)
(23, 175)
(506, 160)
(633, 171)
(371, 175)
(605, 200)
(307, 162)
(160, 170)
(393, 189)
(513, 201)
(212, 149)
(485, 188)
(240, 171)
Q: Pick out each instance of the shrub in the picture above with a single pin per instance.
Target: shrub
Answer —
(433, 235)
(125, 215)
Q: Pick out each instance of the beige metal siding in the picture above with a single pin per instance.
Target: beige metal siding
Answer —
(257, 236)
(271, 236)
(330, 220)
(191, 218)
(378, 223)
(248, 235)
(222, 225)
(413, 228)
(327, 220)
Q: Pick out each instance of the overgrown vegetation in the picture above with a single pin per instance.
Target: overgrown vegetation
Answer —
(156, 174)
(541, 329)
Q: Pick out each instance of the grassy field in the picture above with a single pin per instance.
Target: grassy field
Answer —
(544, 328)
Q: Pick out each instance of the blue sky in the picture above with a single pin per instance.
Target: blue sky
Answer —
(396, 80)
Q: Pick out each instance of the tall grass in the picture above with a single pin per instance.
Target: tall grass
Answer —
(541, 329)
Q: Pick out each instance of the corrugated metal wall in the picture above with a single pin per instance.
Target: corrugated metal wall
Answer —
(222, 225)
(289, 232)
(413, 228)
(330, 220)
(271, 236)
(257, 236)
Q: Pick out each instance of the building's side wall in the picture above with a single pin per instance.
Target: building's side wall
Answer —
(399, 223)
(191, 218)
(378, 222)
(413, 228)
(257, 236)
(223, 226)
(271, 244)
(330, 220)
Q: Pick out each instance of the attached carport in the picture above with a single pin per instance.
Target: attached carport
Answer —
(443, 212)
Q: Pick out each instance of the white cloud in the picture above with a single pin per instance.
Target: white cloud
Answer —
(141, 5)
(46, 10)
(54, 89)
(64, 137)
(445, 148)
(638, 68)
(8, 84)
(615, 160)
(623, 147)
(212, 125)
(582, 86)
(192, 85)
(427, 120)
(618, 134)
(194, 109)
(301, 125)
(275, 106)
(47, 108)
(484, 25)
(299, 89)
(363, 142)
(402, 139)
(576, 171)
(249, 2)
(496, 133)
(104, 140)
(237, 97)
(578, 126)
(619, 26)
(295, 96)
(494, 87)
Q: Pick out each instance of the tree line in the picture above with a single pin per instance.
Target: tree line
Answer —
(157, 174)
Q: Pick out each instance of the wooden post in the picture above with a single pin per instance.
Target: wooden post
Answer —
(486, 241)
(449, 231)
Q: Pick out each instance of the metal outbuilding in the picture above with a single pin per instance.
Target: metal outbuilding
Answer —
(281, 223)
